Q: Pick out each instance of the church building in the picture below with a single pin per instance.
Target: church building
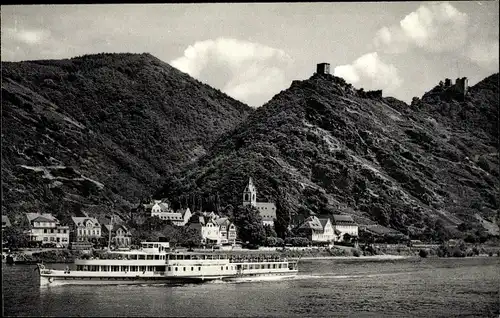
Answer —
(266, 209)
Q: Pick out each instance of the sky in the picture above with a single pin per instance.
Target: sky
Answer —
(252, 51)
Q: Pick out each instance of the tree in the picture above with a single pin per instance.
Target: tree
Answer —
(15, 237)
(249, 224)
(270, 232)
(347, 238)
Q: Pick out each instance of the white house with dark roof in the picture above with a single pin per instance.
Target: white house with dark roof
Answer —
(227, 230)
(344, 224)
(207, 227)
(45, 228)
(266, 209)
(318, 230)
(84, 229)
(162, 209)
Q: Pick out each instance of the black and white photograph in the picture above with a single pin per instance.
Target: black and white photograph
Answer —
(250, 159)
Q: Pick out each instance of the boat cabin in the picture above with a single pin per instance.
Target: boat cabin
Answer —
(153, 247)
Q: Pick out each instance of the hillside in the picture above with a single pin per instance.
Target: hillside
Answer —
(323, 146)
(80, 133)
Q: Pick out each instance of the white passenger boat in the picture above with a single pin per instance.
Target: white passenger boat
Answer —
(155, 263)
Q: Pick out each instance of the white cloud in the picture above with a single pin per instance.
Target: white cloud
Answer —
(250, 72)
(30, 37)
(370, 72)
(434, 28)
(484, 54)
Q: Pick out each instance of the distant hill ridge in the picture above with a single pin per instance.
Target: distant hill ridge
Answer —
(322, 144)
(122, 121)
(102, 132)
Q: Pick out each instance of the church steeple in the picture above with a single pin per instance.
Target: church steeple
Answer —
(250, 194)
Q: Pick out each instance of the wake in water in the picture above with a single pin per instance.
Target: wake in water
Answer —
(313, 276)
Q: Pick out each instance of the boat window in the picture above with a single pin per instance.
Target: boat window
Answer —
(149, 257)
(274, 265)
(115, 268)
(142, 268)
(187, 257)
(208, 257)
(157, 257)
(199, 269)
(133, 268)
(124, 269)
(226, 268)
(104, 268)
(142, 256)
(245, 266)
(176, 269)
(222, 268)
(151, 268)
(150, 245)
(169, 268)
(192, 268)
(156, 245)
(184, 268)
(160, 268)
(268, 266)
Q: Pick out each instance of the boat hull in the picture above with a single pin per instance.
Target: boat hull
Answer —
(56, 278)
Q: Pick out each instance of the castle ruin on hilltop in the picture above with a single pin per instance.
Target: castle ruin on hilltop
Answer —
(323, 68)
(459, 89)
(323, 71)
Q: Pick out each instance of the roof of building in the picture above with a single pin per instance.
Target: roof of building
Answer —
(183, 211)
(323, 221)
(222, 221)
(381, 230)
(196, 226)
(250, 186)
(312, 223)
(5, 219)
(39, 217)
(343, 219)
(269, 205)
(115, 227)
(82, 220)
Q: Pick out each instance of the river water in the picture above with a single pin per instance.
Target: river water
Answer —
(324, 288)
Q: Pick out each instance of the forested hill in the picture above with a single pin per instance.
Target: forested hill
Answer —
(80, 133)
(323, 146)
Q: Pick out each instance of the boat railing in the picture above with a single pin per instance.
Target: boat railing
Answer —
(257, 259)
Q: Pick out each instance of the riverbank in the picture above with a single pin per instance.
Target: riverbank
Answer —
(372, 257)
(336, 252)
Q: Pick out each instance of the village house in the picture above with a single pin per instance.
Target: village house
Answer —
(120, 234)
(45, 228)
(266, 209)
(162, 210)
(213, 229)
(85, 229)
(318, 230)
(344, 224)
(227, 230)
(207, 228)
(5, 222)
